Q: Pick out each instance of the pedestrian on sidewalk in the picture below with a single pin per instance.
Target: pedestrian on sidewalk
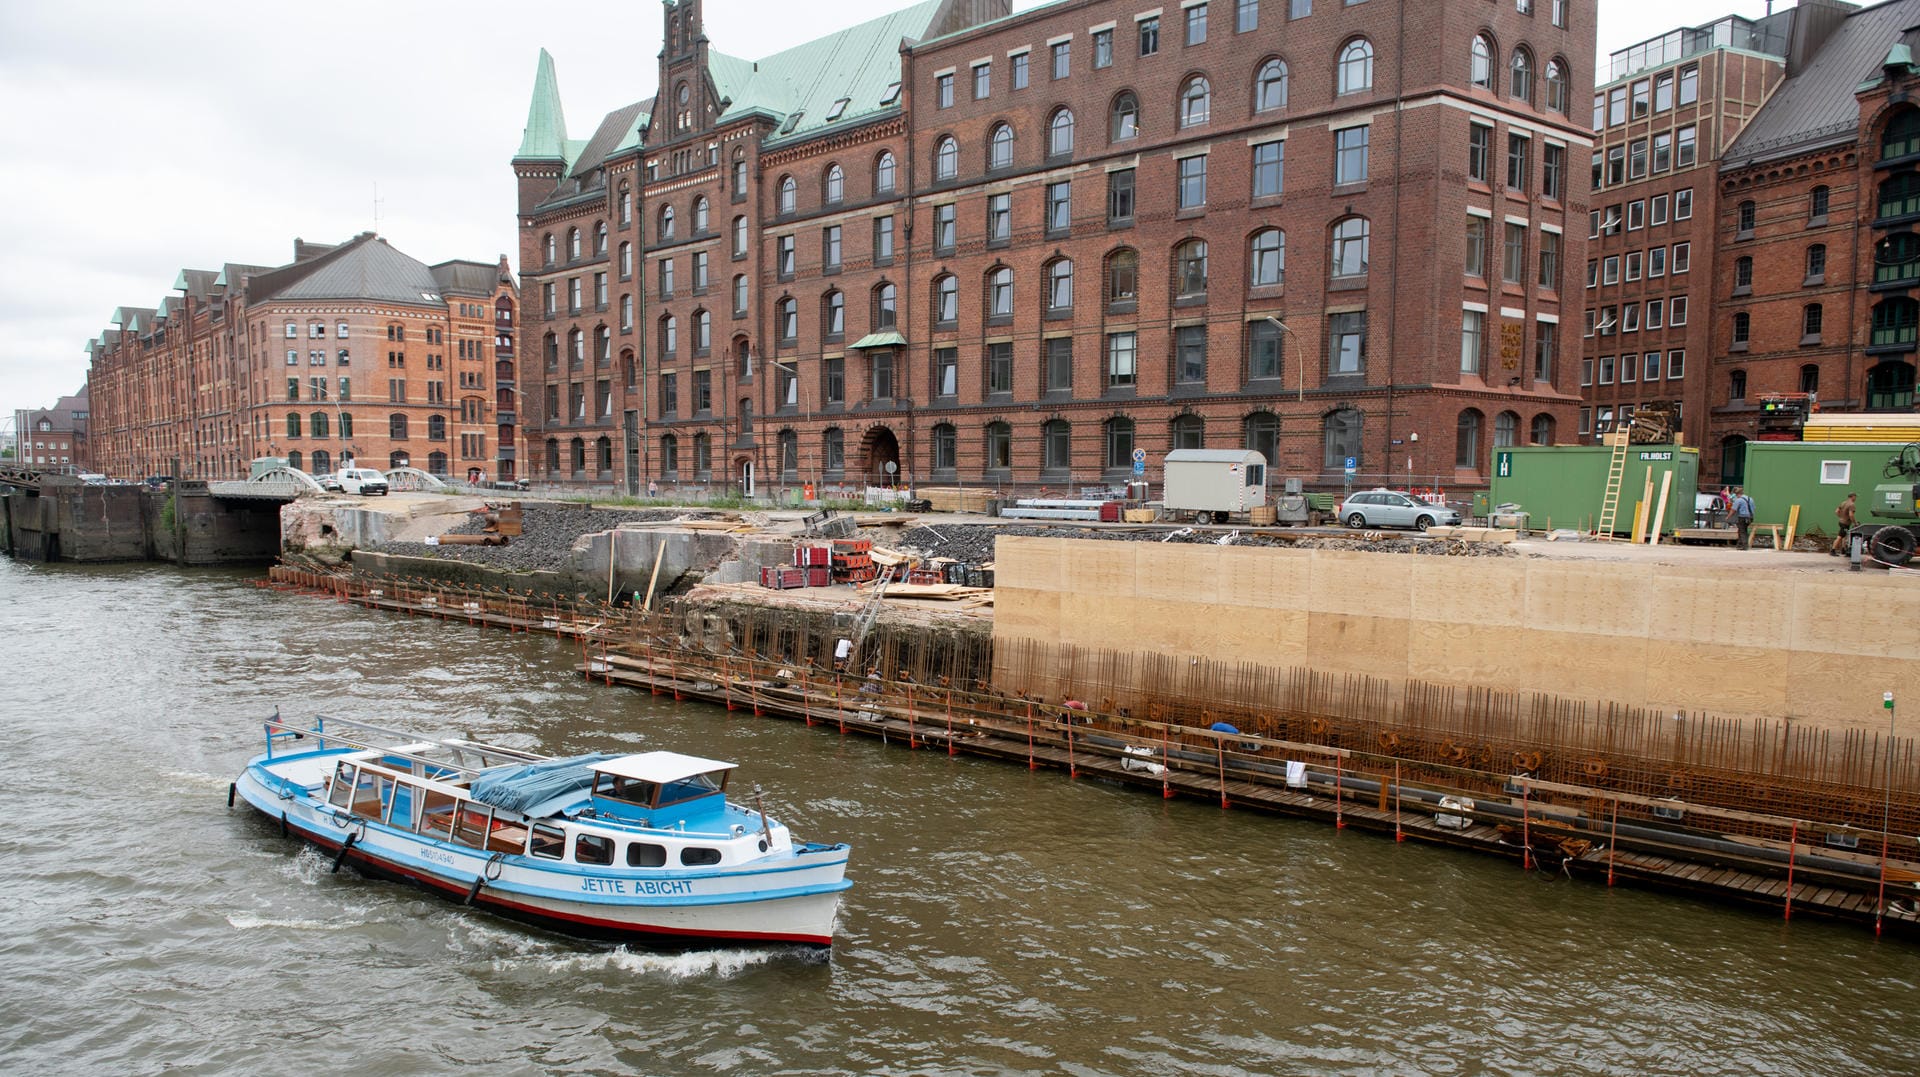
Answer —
(1845, 514)
(1742, 509)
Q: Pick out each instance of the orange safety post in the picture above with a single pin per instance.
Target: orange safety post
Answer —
(1793, 853)
(1073, 768)
(1030, 763)
(1398, 835)
(1526, 829)
(1166, 765)
(806, 700)
(950, 749)
(726, 682)
(837, 708)
(1339, 799)
(653, 672)
(911, 739)
(1220, 756)
(1613, 839)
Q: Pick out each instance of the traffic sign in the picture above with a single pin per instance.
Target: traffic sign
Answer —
(1351, 463)
(1139, 456)
(1139, 467)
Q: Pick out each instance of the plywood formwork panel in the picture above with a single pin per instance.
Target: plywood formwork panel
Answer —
(1361, 584)
(1034, 563)
(1599, 599)
(1265, 578)
(1350, 643)
(1492, 655)
(1850, 614)
(1025, 613)
(1473, 591)
(1846, 690)
(1715, 677)
(1584, 666)
(1180, 572)
(1717, 607)
(1111, 571)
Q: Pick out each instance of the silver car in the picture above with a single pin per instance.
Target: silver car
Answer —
(1390, 508)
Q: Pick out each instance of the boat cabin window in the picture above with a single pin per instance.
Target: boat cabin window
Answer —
(592, 849)
(630, 790)
(472, 825)
(645, 854)
(341, 795)
(549, 842)
(695, 855)
(691, 787)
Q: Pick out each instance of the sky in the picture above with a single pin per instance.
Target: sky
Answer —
(138, 138)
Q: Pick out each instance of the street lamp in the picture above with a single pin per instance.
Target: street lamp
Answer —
(805, 397)
(1301, 367)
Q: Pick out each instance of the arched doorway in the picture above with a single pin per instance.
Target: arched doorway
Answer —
(743, 473)
(878, 448)
(1733, 460)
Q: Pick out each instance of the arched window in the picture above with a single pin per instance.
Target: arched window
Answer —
(1118, 435)
(322, 461)
(669, 457)
(883, 174)
(946, 158)
(789, 443)
(1466, 442)
(1123, 279)
(1897, 258)
(1188, 432)
(740, 235)
(600, 237)
(1520, 76)
(945, 447)
(833, 451)
(317, 422)
(1816, 263)
(1902, 135)
(1190, 269)
(551, 248)
(1481, 73)
(739, 174)
(946, 299)
(1270, 86)
(1556, 80)
(789, 194)
(1060, 133)
(1341, 433)
(787, 313)
(836, 185)
(669, 336)
(702, 332)
(626, 206)
(1890, 386)
(1506, 429)
(1000, 147)
(666, 223)
(1733, 459)
(1542, 429)
(603, 454)
(1350, 239)
(1744, 215)
(397, 426)
(1742, 274)
(1894, 322)
(1267, 261)
(834, 314)
(1060, 284)
(573, 243)
(999, 446)
(1356, 67)
(1124, 117)
(577, 455)
(1810, 378)
(436, 428)
(1000, 292)
(1817, 200)
(1260, 432)
(1056, 446)
(1736, 386)
(293, 459)
(1742, 330)
(1195, 101)
(346, 424)
(701, 216)
(886, 314)
(626, 260)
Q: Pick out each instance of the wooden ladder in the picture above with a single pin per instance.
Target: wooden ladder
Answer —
(1616, 474)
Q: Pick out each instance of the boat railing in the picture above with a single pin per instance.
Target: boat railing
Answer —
(400, 745)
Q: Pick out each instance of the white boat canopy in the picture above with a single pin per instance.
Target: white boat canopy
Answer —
(661, 768)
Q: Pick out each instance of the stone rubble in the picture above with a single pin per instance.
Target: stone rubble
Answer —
(973, 543)
(548, 536)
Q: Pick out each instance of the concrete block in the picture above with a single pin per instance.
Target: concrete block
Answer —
(1441, 532)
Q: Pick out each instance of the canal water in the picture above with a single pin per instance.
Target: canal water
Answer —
(1001, 922)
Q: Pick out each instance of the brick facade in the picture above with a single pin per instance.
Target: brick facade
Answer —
(1158, 336)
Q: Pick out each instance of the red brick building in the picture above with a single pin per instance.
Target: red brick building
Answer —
(1818, 261)
(55, 438)
(995, 248)
(352, 350)
(1670, 107)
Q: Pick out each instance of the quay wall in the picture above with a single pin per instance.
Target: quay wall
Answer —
(91, 524)
(1815, 647)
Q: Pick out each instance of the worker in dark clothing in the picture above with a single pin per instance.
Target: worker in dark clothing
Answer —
(1845, 514)
(1742, 509)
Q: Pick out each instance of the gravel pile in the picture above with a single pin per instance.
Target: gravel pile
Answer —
(549, 533)
(973, 543)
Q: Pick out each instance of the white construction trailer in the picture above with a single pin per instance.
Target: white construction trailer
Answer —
(1214, 483)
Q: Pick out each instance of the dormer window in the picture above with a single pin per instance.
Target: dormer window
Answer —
(890, 94)
(838, 109)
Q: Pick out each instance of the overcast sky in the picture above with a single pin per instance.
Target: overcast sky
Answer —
(139, 137)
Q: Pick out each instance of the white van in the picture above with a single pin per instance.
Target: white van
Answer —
(361, 480)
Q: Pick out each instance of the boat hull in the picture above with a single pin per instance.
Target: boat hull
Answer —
(786, 899)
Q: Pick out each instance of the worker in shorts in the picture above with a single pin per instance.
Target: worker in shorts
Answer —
(1845, 514)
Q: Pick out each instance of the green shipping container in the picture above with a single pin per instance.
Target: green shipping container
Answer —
(1562, 486)
(1815, 475)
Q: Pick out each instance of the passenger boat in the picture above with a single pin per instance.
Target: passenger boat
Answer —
(644, 847)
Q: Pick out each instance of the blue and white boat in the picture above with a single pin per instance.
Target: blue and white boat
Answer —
(643, 847)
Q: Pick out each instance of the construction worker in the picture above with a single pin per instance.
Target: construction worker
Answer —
(1845, 514)
(1742, 509)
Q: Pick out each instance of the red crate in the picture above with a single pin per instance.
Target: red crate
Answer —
(819, 576)
(810, 556)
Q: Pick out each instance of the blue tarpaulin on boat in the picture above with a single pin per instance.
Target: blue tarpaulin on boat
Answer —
(520, 788)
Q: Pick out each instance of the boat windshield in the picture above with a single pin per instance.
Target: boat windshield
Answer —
(648, 794)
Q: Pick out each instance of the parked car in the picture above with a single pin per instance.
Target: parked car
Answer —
(1391, 508)
(361, 480)
(92, 478)
(329, 482)
(158, 482)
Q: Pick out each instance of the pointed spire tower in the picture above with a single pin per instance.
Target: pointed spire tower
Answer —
(542, 159)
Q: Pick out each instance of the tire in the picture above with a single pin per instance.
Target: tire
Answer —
(1356, 520)
(1203, 518)
(1422, 523)
(1892, 545)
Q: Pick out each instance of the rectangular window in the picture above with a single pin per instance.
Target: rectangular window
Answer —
(880, 364)
(829, 247)
(1676, 364)
(1350, 156)
(1656, 262)
(1633, 266)
(1545, 336)
(600, 291)
(1657, 210)
(1120, 360)
(1347, 343)
(1269, 169)
(1637, 159)
(1630, 319)
(1103, 48)
(1616, 106)
(882, 239)
(982, 81)
(833, 380)
(946, 371)
(1683, 204)
(945, 227)
(1586, 373)
(1190, 355)
(943, 90)
(1684, 148)
(1263, 351)
(1677, 312)
(999, 218)
(1663, 92)
(1000, 368)
(1662, 152)
(1197, 24)
(1550, 260)
(1513, 268)
(1476, 246)
(1059, 207)
(1246, 16)
(1586, 421)
(1606, 370)
(1651, 370)
(1062, 57)
(1682, 258)
(1059, 364)
(1120, 197)
(1553, 170)
(1019, 71)
(1641, 99)
(1299, 9)
(1518, 148)
(1616, 165)
(1473, 340)
(1193, 182)
(700, 267)
(1479, 150)
(1610, 271)
(1656, 313)
(1689, 84)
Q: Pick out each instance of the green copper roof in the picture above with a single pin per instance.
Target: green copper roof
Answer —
(858, 63)
(884, 339)
(180, 282)
(545, 137)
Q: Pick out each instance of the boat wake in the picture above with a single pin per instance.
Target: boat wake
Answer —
(254, 923)
(701, 964)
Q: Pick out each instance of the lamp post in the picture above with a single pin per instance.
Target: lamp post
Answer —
(806, 403)
(1886, 814)
(1287, 334)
